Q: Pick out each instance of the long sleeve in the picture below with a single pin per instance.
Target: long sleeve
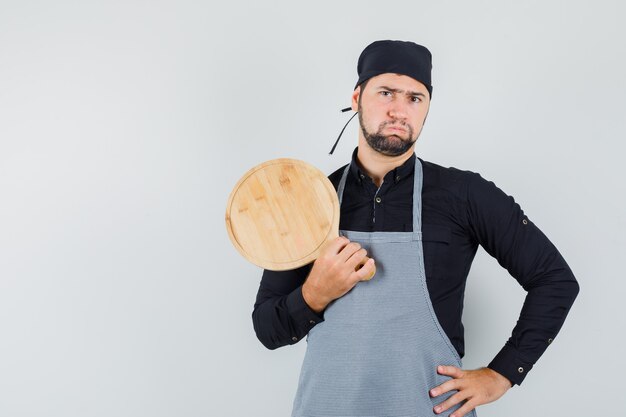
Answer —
(500, 226)
(281, 316)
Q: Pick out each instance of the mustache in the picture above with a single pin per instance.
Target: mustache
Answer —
(394, 123)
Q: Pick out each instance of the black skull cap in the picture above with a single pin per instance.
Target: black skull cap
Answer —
(398, 57)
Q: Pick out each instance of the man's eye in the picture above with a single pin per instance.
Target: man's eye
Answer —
(416, 99)
(386, 93)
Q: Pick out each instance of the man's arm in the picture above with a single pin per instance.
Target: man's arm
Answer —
(286, 309)
(500, 226)
(281, 316)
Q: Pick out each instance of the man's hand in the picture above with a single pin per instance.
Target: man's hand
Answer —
(333, 273)
(477, 387)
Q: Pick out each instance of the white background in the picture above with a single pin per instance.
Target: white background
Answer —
(124, 126)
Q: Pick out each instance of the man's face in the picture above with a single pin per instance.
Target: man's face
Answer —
(392, 109)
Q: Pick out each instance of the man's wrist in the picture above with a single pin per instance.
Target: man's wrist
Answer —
(509, 363)
(312, 301)
(505, 381)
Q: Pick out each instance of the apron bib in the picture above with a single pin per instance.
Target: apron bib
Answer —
(375, 354)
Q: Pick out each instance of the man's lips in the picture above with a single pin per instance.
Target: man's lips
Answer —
(396, 128)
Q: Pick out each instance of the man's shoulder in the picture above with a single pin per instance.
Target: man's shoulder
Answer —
(441, 176)
(446, 182)
(335, 177)
(470, 186)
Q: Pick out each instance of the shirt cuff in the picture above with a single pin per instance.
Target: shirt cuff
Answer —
(510, 364)
(303, 317)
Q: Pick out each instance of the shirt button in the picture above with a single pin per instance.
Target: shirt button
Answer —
(295, 339)
(378, 199)
(549, 340)
(397, 178)
(520, 370)
(362, 176)
(525, 221)
(312, 321)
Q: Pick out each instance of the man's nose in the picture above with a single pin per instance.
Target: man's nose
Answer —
(397, 109)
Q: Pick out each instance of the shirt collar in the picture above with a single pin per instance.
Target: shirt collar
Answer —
(398, 173)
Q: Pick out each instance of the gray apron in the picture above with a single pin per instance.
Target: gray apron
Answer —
(376, 352)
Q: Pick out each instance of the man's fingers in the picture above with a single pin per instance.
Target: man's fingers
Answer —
(452, 371)
(367, 271)
(356, 258)
(445, 387)
(347, 252)
(450, 402)
(476, 387)
(341, 251)
(464, 409)
(336, 245)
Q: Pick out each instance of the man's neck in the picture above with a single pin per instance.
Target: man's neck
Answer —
(377, 165)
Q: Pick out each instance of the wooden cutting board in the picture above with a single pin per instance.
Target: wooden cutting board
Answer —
(281, 213)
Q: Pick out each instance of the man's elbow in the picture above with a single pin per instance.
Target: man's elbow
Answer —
(574, 288)
(264, 337)
(267, 343)
(568, 289)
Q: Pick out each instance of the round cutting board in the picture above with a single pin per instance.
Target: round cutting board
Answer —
(281, 213)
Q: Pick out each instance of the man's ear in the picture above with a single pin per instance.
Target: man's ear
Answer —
(355, 98)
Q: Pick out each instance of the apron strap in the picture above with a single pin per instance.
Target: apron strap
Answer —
(342, 185)
(417, 196)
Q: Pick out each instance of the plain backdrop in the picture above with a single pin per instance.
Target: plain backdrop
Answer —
(124, 125)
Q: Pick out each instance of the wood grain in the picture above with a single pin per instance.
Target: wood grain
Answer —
(281, 213)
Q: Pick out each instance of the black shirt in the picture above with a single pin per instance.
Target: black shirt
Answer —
(460, 210)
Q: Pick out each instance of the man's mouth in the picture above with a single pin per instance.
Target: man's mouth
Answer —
(396, 128)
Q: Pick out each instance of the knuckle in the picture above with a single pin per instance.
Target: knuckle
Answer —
(347, 285)
(354, 277)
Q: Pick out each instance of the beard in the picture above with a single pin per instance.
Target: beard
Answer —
(392, 144)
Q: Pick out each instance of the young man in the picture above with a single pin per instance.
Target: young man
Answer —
(392, 345)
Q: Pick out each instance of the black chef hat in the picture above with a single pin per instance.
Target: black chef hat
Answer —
(399, 57)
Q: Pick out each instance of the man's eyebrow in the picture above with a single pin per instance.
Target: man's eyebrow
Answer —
(397, 90)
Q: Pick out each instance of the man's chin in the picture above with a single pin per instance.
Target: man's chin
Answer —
(395, 146)
(394, 137)
(392, 151)
(389, 145)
